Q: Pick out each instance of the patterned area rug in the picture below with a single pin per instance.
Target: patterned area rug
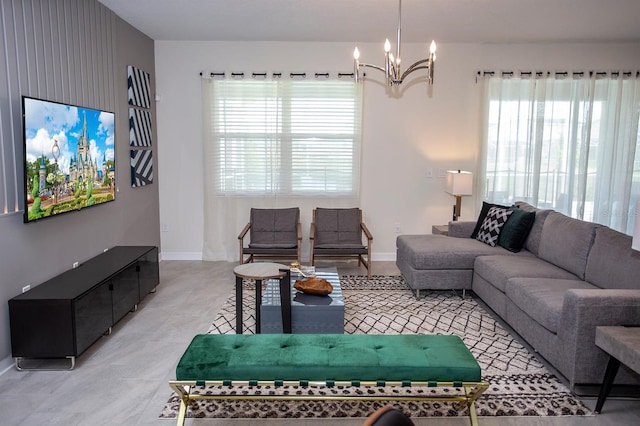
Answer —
(520, 384)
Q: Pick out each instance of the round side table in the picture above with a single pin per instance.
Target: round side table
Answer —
(263, 271)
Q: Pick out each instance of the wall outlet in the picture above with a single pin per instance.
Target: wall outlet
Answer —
(76, 264)
(398, 228)
(26, 288)
(164, 227)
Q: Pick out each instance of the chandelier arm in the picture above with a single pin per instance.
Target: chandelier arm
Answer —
(373, 66)
(412, 69)
(415, 65)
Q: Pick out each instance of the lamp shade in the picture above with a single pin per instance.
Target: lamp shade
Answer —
(459, 182)
(636, 229)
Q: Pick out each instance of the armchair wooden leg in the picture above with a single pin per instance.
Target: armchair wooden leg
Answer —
(366, 263)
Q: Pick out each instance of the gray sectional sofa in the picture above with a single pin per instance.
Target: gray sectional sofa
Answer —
(570, 277)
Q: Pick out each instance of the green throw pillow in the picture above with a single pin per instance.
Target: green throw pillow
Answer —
(516, 230)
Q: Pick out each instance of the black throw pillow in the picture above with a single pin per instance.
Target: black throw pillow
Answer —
(492, 226)
(483, 213)
(516, 230)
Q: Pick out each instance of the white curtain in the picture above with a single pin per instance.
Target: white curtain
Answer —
(568, 142)
(276, 144)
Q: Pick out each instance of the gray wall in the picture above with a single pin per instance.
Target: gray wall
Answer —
(77, 52)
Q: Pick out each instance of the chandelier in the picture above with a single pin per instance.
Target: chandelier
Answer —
(391, 68)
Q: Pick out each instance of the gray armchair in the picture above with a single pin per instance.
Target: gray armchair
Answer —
(273, 234)
(339, 233)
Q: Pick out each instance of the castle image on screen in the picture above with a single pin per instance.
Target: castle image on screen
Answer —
(69, 158)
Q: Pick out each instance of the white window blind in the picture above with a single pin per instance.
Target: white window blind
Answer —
(287, 137)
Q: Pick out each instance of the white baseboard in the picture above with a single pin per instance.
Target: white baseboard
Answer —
(180, 255)
(6, 364)
(383, 257)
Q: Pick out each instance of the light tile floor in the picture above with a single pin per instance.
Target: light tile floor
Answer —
(122, 378)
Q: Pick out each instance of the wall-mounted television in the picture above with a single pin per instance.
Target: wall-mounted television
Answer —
(69, 158)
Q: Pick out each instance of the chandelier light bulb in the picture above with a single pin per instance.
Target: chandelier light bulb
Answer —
(432, 48)
(387, 46)
(356, 54)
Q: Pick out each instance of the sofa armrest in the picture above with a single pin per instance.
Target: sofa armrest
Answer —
(595, 307)
(461, 229)
(585, 309)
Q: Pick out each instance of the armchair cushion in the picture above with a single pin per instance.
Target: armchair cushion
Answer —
(338, 228)
(274, 228)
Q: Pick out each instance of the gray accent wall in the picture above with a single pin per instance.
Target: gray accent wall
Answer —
(77, 52)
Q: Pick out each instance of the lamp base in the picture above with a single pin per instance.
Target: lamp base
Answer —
(457, 207)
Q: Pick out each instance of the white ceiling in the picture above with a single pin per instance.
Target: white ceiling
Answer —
(454, 21)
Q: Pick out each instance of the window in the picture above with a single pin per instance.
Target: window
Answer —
(289, 137)
(569, 143)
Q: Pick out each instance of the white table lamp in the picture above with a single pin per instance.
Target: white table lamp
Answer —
(459, 183)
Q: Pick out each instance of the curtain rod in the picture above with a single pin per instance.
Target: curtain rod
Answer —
(561, 74)
(221, 75)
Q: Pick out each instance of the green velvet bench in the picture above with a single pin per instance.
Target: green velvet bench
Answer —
(325, 360)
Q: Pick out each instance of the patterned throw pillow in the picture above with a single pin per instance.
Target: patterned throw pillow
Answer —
(489, 232)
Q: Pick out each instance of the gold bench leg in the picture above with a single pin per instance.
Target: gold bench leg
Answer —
(183, 393)
(183, 410)
(472, 393)
(473, 416)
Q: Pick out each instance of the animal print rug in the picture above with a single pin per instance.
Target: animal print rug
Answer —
(520, 384)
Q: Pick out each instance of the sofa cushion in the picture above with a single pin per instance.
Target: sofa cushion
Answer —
(533, 240)
(516, 230)
(611, 262)
(566, 242)
(542, 298)
(441, 251)
(499, 269)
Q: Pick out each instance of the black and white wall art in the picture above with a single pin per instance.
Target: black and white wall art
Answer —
(138, 84)
(141, 167)
(139, 128)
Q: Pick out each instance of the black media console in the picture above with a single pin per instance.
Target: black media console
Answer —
(62, 317)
